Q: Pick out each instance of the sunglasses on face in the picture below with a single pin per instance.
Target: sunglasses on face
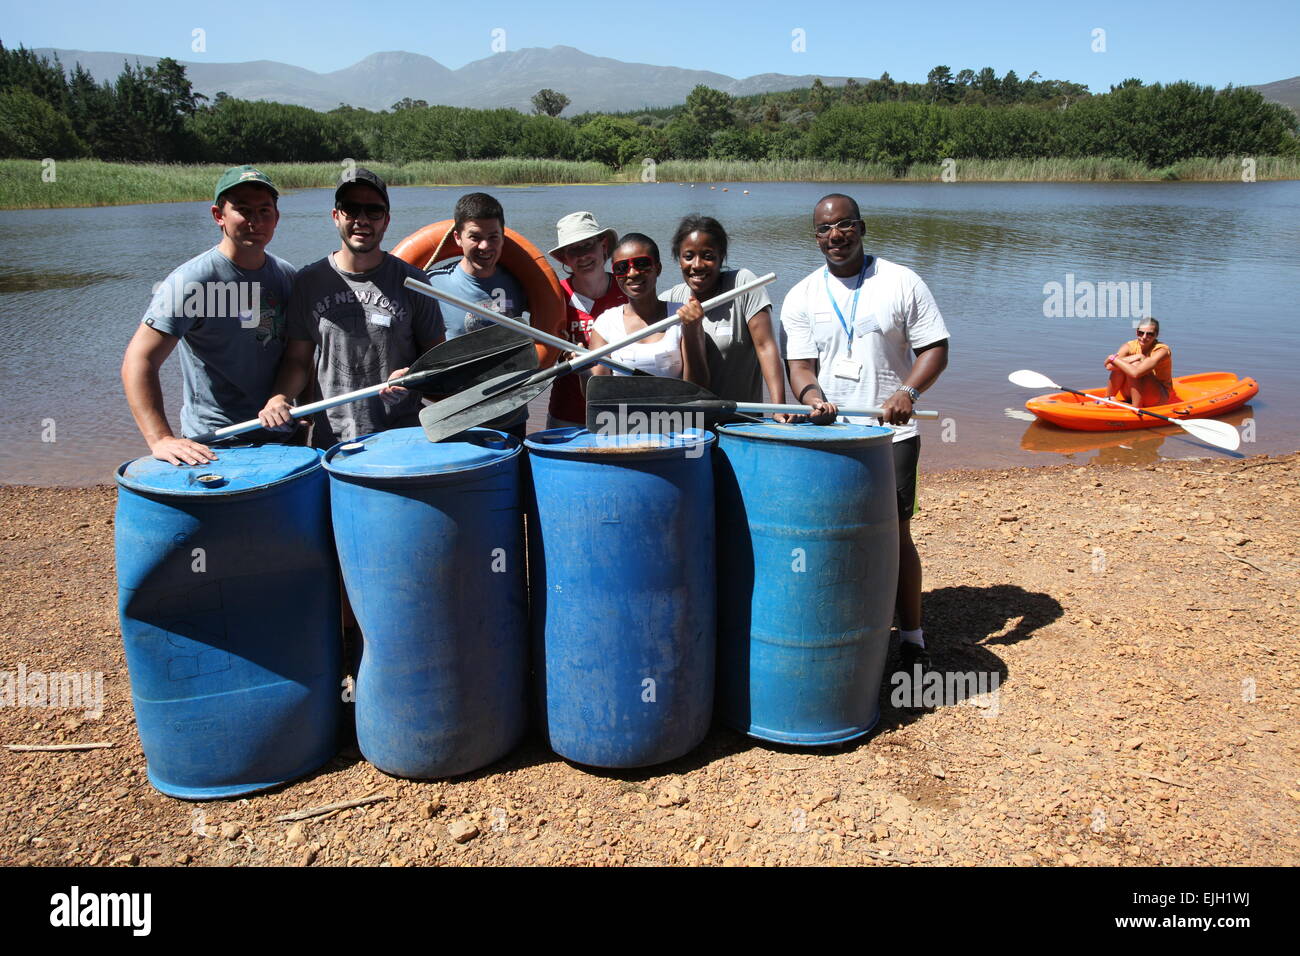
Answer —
(844, 225)
(372, 210)
(581, 248)
(622, 267)
(1143, 335)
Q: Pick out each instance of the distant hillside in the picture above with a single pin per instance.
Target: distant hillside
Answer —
(592, 83)
(1286, 92)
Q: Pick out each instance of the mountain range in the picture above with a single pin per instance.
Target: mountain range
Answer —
(506, 79)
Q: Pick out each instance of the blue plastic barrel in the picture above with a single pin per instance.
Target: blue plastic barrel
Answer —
(622, 585)
(430, 539)
(229, 600)
(807, 571)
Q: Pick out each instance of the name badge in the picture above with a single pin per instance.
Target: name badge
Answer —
(848, 368)
(381, 320)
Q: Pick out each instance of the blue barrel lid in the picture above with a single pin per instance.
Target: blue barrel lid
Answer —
(806, 432)
(578, 442)
(407, 453)
(237, 470)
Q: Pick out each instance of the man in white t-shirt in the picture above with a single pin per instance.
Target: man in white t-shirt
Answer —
(865, 332)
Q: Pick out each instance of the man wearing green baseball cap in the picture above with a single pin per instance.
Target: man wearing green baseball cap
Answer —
(225, 308)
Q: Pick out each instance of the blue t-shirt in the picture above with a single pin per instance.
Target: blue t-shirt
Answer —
(500, 293)
(231, 323)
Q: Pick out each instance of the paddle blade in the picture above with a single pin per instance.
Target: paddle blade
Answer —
(457, 378)
(1029, 379)
(1212, 433)
(639, 389)
(478, 406)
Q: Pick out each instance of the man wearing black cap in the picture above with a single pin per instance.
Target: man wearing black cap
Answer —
(353, 313)
(225, 308)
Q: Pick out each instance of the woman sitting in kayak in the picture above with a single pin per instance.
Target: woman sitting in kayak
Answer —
(676, 353)
(739, 345)
(1143, 369)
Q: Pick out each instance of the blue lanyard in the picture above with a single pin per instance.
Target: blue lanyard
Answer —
(853, 305)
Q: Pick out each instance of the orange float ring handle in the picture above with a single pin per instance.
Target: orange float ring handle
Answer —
(521, 259)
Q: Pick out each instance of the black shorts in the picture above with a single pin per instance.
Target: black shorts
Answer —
(907, 456)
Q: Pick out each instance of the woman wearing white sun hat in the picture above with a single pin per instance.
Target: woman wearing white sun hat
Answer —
(582, 248)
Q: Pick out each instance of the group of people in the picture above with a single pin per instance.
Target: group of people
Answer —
(860, 331)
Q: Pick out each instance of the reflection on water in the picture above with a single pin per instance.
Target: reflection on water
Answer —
(22, 280)
(1220, 257)
(1135, 447)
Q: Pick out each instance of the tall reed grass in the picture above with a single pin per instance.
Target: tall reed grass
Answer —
(29, 184)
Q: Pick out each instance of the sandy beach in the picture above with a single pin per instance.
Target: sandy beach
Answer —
(1140, 621)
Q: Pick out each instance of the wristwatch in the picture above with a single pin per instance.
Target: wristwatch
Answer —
(912, 393)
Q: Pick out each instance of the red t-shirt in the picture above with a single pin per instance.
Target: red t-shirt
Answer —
(567, 402)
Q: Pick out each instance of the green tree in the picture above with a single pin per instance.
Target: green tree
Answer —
(546, 137)
(406, 103)
(687, 139)
(611, 140)
(939, 85)
(30, 128)
(549, 102)
(258, 132)
(710, 109)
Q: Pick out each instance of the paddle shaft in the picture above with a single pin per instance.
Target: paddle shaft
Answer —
(544, 337)
(1114, 401)
(595, 355)
(762, 408)
(301, 411)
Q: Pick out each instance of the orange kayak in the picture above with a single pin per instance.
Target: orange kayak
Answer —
(1199, 396)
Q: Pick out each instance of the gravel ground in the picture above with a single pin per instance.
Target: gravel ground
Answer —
(1141, 622)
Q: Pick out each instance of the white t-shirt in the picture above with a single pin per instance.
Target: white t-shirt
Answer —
(658, 358)
(895, 313)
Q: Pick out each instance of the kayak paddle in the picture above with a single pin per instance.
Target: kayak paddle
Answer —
(446, 368)
(504, 321)
(1219, 434)
(502, 395)
(606, 393)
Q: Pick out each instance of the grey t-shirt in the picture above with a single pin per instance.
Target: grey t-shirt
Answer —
(500, 293)
(734, 372)
(231, 323)
(365, 326)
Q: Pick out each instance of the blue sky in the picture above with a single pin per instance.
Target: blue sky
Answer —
(1208, 42)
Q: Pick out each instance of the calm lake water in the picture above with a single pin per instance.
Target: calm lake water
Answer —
(1220, 260)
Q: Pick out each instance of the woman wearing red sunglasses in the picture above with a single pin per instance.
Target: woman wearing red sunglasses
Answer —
(675, 353)
(1143, 367)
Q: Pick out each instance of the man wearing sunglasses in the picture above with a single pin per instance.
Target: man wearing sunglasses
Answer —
(864, 331)
(480, 231)
(353, 314)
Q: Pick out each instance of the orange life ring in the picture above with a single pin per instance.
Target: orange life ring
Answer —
(520, 257)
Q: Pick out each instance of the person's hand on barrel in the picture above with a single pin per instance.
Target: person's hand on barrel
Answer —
(821, 412)
(181, 451)
(394, 393)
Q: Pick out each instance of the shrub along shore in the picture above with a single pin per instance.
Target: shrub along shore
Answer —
(31, 184)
